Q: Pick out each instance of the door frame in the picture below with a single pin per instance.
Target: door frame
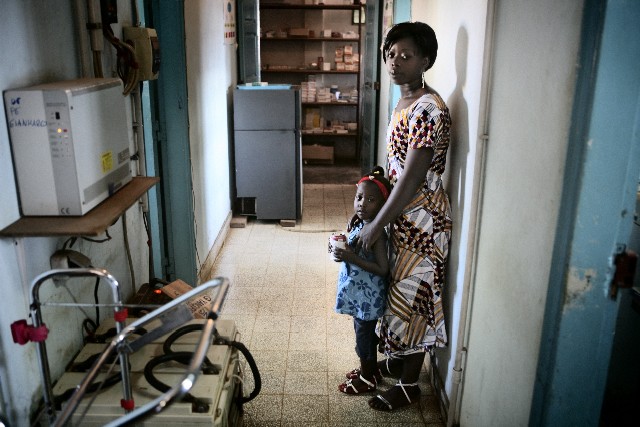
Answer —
(370, 88)
(173, 154)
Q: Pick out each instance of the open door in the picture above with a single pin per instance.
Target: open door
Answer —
(248, 41)
(369, 88)
(595, 222)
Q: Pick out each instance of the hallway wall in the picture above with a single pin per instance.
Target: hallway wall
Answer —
(211, 77)
(40, 44)
(457, 75)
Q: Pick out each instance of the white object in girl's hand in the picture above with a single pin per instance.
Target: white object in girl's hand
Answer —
(336, 241)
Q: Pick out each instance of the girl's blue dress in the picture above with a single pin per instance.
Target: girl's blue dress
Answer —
(360, 294)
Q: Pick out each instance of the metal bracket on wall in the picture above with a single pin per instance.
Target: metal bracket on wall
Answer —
(624, 265)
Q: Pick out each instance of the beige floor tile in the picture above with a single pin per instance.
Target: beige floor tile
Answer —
(300, 384)
(271, 361)
(304, 409)
(306, 361)
(306, 341)
(264, 407)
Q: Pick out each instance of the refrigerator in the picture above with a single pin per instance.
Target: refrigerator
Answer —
(268, 152)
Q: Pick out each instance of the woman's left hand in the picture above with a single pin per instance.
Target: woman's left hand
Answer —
(368, 236)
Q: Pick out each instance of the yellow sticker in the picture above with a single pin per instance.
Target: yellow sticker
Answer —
(107, 161)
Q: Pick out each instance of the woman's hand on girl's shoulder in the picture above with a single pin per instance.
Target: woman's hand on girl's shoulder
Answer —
(367, 237)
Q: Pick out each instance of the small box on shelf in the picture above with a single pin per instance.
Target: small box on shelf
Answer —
(318, 153)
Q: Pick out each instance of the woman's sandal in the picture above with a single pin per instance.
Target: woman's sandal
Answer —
(348, 387)
(355, 373)
(382, 404)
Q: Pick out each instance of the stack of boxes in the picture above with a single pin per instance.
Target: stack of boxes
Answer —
(308, 90)
(346, 60)
(324, 95)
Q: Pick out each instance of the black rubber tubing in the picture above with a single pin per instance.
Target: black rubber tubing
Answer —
(198, 405)
(166, 347)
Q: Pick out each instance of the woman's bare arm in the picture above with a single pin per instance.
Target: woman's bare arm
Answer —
(379, 266)
(415, 169)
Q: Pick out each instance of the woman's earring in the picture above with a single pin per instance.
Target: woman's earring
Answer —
(423, 82)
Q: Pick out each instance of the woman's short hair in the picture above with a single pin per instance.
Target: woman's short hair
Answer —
(422, 35)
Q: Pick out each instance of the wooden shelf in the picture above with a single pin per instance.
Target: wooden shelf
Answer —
(332, 134)
(94, 223)
(310, 6)
(330, 104)
(295, 71)
(313, 39)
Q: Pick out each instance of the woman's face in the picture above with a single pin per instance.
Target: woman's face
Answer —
(404, 62)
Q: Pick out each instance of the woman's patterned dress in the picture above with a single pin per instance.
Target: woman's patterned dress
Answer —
(413, 320)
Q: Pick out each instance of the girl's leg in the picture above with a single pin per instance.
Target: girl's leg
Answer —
(366, 344)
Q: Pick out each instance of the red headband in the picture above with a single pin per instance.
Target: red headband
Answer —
(372, 178)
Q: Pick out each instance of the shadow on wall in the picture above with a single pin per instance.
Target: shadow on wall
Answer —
(457, 169)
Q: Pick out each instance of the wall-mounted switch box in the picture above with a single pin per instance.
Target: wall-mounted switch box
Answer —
(145, 43)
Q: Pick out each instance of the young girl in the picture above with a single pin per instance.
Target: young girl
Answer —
(362, 281)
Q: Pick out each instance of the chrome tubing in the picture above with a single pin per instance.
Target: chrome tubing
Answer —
(36, 316)
(188, 379)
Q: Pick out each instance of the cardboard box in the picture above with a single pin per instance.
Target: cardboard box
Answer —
(198, 305)
(318, 153)
(299, 32)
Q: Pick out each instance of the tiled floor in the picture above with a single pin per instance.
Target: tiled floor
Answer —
(281, 297)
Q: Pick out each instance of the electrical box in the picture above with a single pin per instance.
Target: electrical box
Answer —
(145, 44)
(70, 144)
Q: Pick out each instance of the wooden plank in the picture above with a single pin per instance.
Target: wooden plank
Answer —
(287, 222)
(93, 223)
(238, 222)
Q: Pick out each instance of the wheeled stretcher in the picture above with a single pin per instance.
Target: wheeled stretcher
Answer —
(163, 369)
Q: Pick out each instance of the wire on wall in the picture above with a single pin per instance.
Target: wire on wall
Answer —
(128, 251)
(127, 64)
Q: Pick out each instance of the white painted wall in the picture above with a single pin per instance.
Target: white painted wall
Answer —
(38, 44)
(536, 45)
(211, 78)
(456, 75)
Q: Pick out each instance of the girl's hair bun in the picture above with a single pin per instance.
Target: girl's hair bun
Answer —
(377, 171)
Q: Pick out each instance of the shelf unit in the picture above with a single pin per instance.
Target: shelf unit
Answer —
(290, 57)
(93, 223)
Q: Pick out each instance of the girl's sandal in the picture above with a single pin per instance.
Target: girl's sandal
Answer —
(364, 386)
(380, 403)
(355, 373)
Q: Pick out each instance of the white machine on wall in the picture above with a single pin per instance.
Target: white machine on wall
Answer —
(70, 144)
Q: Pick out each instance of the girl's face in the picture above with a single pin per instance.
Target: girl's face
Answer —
(404, 62)
(368, 201)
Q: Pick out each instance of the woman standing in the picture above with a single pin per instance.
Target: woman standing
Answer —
(418, 211)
